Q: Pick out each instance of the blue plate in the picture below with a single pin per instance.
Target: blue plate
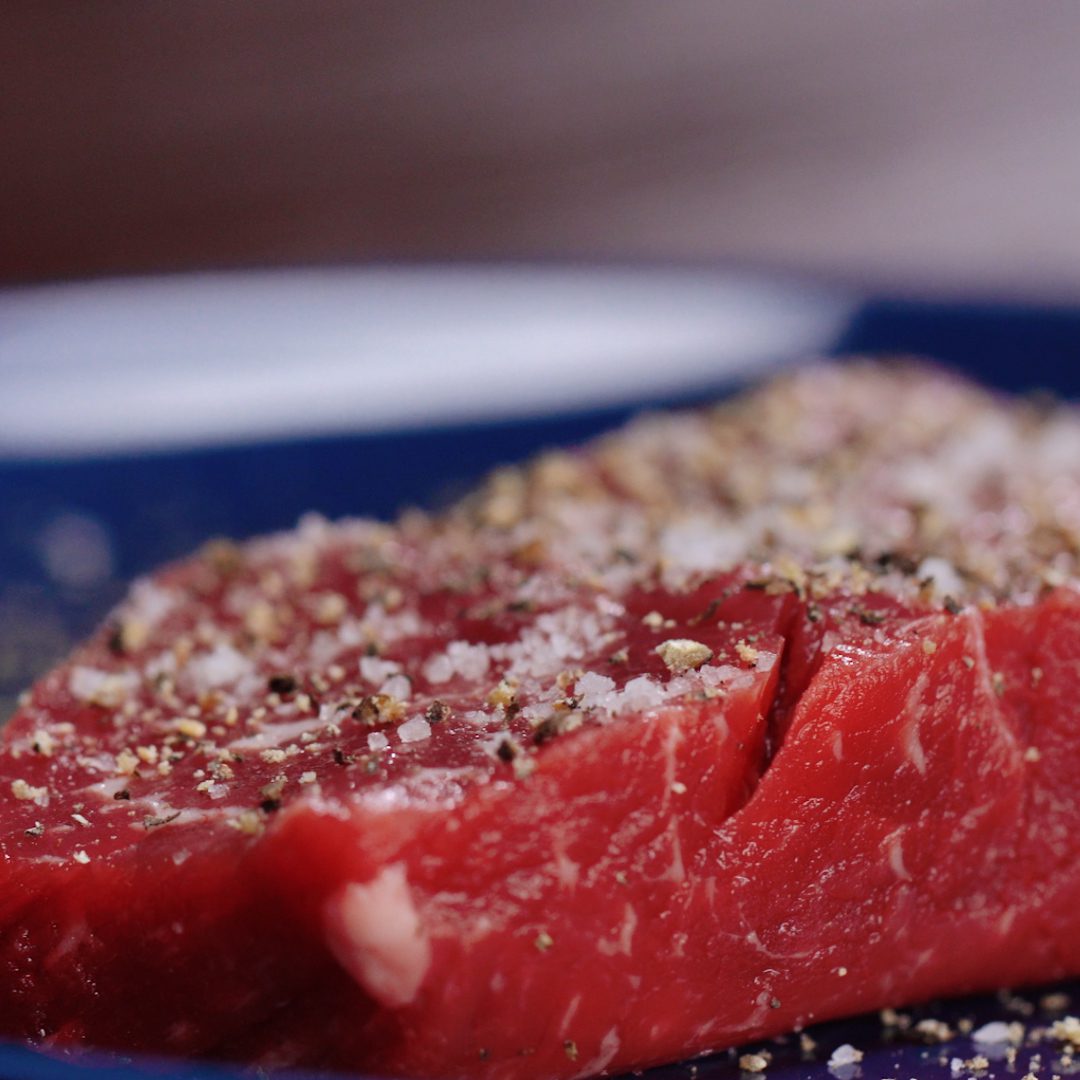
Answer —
(139, 419)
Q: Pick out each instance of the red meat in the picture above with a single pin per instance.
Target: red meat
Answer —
(729, 723)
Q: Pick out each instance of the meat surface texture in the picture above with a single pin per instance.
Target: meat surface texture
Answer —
(726, 723)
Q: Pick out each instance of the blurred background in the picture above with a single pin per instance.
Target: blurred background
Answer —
(613, 205)
(910, 146)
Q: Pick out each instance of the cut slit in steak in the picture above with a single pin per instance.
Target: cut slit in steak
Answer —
(728, 723)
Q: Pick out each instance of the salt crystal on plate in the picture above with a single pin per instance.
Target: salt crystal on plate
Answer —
(845, 1054)
(994, 1032)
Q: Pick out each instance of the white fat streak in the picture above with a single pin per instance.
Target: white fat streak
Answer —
(187, 815)
(837, 742)
(568, 1015)
(272, 735)
(626, 931)
(753, 940)
(927, 956)
(977, 645)
(710, 893)
(895, 846)
(74, 936)
(103, 792)
(673, 737)
(677, 870)
(106, 789)
(567, 871)
(609, 1047)
(624, 941)
(375, 932)
(97, 763)
(913, 747)
(910, 740)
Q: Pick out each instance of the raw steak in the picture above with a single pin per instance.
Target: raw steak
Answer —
(727, 723)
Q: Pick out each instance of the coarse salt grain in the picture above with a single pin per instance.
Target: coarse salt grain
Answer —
(439, 669)
(397, 687)
(994, 1032)
(641, 693)
(595, 691)
(942, 573)
(376, 741)
(151, 602)
(460, 658)
(415, 729)
(700, 545)
(375, 670)
(845, 1054)
(102, 687)
(222, 666)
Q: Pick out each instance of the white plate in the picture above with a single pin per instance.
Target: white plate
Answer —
(122, 365)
